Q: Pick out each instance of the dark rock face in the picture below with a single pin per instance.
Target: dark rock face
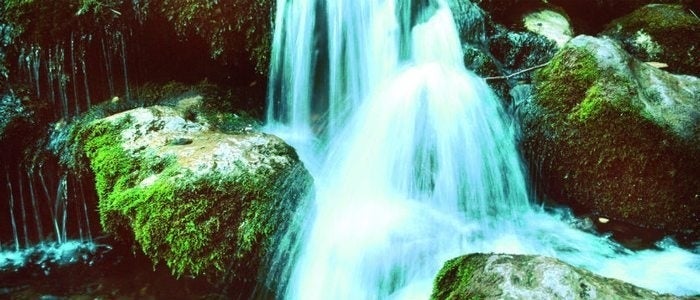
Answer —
(503, 276)
(22, 122)
(661, 33)
(84, 52)
(612, 136)
(521, 50)
(492, 50)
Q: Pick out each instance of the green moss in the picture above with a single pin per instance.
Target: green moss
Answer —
(659, 17)
(565, 80)
(664, 33)
(608, 92)
(455, 278)
(196, 224)
(600, 152)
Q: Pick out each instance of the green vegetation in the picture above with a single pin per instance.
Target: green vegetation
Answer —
(455, 278)
(568, 76)
(233, 29)
(229, 26)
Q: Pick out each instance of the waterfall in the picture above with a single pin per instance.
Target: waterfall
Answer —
(414, 159)
(46, 213)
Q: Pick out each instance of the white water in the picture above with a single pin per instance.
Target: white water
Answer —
(414, 160)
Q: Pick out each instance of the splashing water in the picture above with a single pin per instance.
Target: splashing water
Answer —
(418, 162)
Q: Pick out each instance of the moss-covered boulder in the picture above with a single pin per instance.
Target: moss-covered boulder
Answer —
(203, 202)
(667, 34)
(612, 136)
(503, 276)
(591, 16)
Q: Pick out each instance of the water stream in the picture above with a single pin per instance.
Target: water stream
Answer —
(414, 159)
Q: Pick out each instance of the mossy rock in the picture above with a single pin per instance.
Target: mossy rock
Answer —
(611, 136)
(591, 16)
(210, 208)
(661, 33)
(503, 276)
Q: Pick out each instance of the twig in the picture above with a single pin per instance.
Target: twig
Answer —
(692, 12)
(517, 73)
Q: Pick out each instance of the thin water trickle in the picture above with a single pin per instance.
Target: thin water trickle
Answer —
(414, 160)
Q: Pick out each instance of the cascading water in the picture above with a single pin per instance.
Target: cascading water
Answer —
(45, 206)
(418, 162)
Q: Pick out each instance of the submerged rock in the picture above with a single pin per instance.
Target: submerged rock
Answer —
(504, 276)
(612, 136)
(661, 33)
(210, 207)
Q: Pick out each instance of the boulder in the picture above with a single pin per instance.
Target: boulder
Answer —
(551, 24)
(611, 136)
(668, 34)
(206, 203)
(521, 50)
(591, 16)
(504, 276)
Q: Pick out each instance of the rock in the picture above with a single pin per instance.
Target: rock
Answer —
(661, 33)
(503, 276)
(485, 65)
(22, 123)
(12, 111)
(551, 24)
(471, 22)
(517, 51)
(612, 136)
(235, 30)
(210, 208)
(591, 16)
(494, 51)
(509, 12)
